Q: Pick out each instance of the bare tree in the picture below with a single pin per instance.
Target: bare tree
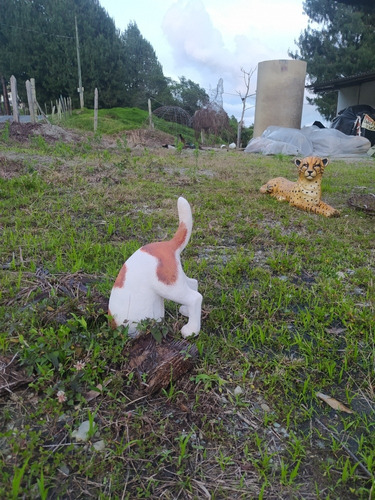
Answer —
(247, 79)
(210, 120)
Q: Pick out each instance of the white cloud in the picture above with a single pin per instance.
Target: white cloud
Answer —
(216, 40)
(205, 40)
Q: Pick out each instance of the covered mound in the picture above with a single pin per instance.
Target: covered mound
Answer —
(309, 141)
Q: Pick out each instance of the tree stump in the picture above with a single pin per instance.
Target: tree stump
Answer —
(159, 364)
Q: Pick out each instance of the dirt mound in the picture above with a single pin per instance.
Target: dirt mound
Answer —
(56, 133)
(23, 132)
(148, 138)
(365, 202)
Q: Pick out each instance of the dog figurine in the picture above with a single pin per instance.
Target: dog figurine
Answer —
(154, 273)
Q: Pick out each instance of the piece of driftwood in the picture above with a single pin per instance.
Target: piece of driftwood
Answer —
(365, 202)
(158, 364)
(12, 376)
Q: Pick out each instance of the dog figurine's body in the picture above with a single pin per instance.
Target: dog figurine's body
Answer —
(306, 192)
(154, 273)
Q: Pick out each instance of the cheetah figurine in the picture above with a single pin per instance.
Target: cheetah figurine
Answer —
(306, 192)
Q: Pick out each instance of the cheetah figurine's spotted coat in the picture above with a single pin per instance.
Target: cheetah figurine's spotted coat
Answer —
(306, 192)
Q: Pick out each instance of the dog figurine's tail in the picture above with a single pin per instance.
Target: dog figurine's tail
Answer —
(183, 233)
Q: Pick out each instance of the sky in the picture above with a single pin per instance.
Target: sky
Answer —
(205, 40)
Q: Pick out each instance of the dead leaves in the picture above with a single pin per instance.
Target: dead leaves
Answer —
(333, 403)
(12, 375)
(90, 395)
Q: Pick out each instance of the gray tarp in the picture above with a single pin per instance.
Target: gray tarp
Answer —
(308, 141)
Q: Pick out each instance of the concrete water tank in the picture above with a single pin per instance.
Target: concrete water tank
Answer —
(279, 95)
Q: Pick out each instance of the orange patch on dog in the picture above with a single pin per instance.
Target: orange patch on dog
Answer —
(120, 280)
(165, 252)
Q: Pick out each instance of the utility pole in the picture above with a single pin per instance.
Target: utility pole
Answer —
(80, 88)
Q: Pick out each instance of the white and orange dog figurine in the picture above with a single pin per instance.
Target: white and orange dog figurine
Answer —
(154, 273)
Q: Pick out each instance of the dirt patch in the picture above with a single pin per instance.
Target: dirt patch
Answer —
(148, 138)
(55, 133)
(365, 202)
(10, 168)
(23, 132)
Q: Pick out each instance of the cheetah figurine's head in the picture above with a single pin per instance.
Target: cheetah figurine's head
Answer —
(311, 168)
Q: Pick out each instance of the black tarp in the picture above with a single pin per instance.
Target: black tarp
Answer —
(356, 120)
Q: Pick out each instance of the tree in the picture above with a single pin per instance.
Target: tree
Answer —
(365, 5)
(343, 46)
(143, 73)
(188, 95)
(37, 39)
(210, 120)
(101, 55)
(232, 134)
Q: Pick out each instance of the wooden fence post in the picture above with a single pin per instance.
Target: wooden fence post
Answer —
(61, 101)
(150, 122)
(58, 109)
(33, 95)
(13, 89)
(95, 109)
(30, 101)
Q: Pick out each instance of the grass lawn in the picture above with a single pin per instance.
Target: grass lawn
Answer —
(288, 314)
